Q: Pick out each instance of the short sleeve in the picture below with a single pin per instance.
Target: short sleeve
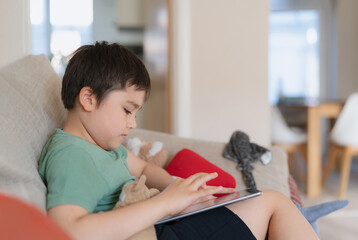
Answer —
(122, 152)
(72, 178)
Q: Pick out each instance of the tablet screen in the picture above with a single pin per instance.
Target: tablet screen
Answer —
(213, 203)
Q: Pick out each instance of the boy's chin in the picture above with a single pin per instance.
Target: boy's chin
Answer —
(114, 146)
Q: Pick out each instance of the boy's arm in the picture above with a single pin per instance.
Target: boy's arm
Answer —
(119, 223)
(76, 221)
(157, 177)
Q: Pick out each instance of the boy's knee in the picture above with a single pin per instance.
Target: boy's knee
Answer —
(274, 195)
(275, 200)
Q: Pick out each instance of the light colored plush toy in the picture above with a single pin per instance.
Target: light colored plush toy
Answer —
(152, 152)
(134, 192)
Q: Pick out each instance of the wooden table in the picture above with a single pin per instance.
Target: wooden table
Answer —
(316, 109)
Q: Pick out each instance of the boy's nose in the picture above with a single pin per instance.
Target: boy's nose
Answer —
(132, 123)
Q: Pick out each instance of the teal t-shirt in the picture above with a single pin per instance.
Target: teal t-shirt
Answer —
(77, 172)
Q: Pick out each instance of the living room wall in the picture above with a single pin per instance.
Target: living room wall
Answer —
(347, 47)
(220, 69)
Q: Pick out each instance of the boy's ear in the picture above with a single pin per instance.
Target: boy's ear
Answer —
(87, 99)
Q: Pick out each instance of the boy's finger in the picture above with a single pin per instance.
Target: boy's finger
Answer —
(228, 190)
(209, 191)
(203, 186)
(201, 179)
(195, 176)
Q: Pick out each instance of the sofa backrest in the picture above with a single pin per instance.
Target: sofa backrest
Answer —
(30, 110)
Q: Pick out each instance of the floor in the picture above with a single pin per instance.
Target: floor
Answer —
(342, 224)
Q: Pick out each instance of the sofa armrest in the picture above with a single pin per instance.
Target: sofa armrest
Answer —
(272, 176)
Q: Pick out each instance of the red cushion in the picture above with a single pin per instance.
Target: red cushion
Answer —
(19, 220)
(186, 163)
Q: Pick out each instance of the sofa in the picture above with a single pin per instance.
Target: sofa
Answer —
(30, 111)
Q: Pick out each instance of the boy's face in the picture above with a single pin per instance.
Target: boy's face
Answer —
(109, 123)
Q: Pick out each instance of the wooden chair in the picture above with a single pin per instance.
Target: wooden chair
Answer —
(344, 143)
(292, 140)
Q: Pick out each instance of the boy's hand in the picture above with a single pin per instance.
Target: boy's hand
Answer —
(184, 192)
(223, 191)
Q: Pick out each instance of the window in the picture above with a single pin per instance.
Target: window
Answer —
(39, 20)
(59, 27)
(294, 65)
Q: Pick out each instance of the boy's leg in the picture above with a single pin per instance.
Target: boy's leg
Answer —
(275, 213)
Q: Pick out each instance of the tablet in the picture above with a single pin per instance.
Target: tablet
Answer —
(213, 203)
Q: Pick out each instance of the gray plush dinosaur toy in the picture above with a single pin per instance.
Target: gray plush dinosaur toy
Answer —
(242, 151)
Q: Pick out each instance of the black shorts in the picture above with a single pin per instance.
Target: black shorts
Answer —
(219, 223)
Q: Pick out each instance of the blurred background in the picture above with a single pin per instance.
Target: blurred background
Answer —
(217, 67)
(210, 63)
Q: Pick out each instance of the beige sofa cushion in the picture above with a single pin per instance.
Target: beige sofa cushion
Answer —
(273, 176)
(30, 110)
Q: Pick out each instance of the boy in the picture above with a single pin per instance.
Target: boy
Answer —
(85, 166)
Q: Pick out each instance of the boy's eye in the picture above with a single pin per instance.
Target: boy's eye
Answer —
(127, 112)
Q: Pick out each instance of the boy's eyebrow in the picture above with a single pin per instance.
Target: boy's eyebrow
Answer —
(135, 105)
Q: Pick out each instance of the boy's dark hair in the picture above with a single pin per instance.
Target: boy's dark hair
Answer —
(103, 67)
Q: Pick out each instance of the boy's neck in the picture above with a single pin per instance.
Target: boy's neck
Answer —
(75, 127)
